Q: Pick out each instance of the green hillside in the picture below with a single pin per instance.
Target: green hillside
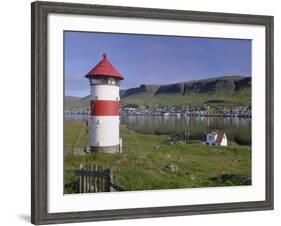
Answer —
(74, 103)
(243, 97)
(225, 90)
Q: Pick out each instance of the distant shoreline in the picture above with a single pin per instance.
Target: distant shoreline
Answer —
(174, 115)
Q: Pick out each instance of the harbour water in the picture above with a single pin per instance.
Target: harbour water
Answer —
(237, 129)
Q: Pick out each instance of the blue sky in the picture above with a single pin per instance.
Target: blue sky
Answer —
(152, 59)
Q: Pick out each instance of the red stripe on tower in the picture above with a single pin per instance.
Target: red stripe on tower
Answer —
(104, 107)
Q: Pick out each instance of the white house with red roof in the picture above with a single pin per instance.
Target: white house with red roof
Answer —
(215, 137)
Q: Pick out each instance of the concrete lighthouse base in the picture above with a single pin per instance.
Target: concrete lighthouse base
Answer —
(106, 149)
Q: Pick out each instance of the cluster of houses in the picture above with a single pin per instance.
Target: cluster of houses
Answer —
(236, 111)
(79, 111)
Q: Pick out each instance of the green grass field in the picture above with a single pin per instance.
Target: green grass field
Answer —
(147, 161)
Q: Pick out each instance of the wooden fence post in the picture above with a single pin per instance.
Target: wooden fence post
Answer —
(84, 181)
(110, 180)
(80, 180)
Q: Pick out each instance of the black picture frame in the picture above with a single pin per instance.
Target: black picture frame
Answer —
(39, 194)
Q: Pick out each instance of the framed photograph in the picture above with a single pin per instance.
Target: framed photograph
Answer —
(140, 112)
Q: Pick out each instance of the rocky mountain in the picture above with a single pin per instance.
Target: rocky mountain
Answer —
(212, 85)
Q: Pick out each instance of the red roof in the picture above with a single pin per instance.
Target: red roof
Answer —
(220, 134)
(104, 69)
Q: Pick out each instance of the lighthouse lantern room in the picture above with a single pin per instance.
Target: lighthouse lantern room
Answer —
(104, 123)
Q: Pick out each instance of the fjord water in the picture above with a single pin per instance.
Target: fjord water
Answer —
(237, 129)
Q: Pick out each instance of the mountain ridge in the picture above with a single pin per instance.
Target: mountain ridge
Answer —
(230, 83)
(227, 90)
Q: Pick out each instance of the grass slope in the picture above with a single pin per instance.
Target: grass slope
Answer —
(144, 163)
(242, 97)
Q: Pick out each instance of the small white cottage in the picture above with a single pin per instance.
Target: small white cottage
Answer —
(215, 137)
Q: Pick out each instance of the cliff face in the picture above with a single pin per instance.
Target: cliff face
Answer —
(151, 89)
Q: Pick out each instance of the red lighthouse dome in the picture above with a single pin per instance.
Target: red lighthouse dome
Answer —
(104, 69)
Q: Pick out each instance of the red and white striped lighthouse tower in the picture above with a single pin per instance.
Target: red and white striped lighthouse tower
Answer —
(104, 123)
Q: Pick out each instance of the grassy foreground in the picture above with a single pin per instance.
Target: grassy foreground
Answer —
(150, 162)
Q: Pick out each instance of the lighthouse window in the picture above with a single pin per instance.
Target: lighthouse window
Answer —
(105, 81)
(95, 81)
(111, 81)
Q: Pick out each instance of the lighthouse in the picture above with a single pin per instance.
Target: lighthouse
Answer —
(104, 121)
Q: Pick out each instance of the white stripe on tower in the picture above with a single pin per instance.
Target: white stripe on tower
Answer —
(104, 92)
(105, 131)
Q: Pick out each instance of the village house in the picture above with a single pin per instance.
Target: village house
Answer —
(215, 137)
